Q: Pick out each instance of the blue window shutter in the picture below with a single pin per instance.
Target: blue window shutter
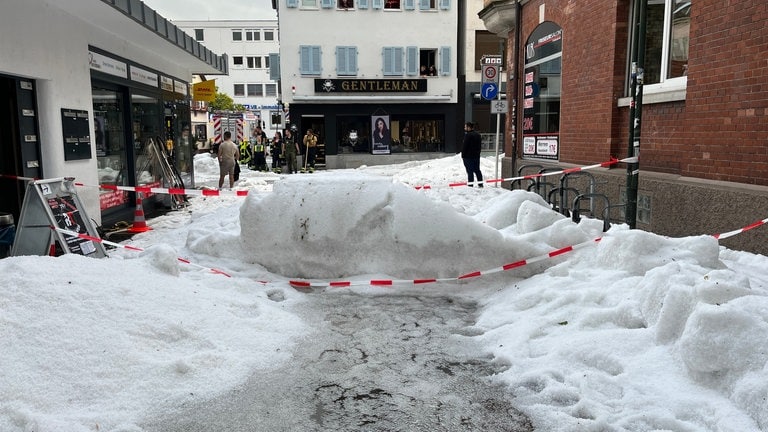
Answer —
(316, 69)
(412, 60)
(326, 4)
(346, 60)
(445, 60)
(377, 4)
(445, 4)
(274, 66)
(392, 61)
(341, 60)
(409, 4)
(309, 60)
(305, 59)
(292, 3)
(362, 4)
(424, 4)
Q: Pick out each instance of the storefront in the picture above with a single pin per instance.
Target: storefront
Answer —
(85, 104)
(391, 122)
(135, 109)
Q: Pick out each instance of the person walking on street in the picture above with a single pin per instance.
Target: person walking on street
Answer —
(470, 154)
(229, 155)
(310, 142)
(290, 149)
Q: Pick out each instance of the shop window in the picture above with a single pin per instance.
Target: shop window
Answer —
(237, 61)
(199, 35)
(239, 90)
(237, 35)
(408, 135)
(666, 41)
(147, 115)
(309, 58)
(110, 144)
(345, 4)
(346, 60)
(541, 98)
(392, 61)
(255, 90)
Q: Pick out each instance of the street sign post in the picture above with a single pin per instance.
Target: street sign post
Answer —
(490, 89)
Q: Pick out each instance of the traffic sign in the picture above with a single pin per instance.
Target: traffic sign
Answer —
(490, 73)
(489, 90)
(499, 106)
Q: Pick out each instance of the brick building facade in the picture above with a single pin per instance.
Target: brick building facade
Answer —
(704, 134)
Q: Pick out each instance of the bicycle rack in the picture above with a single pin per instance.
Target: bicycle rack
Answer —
(606, 210)
(564, 187)
(560, 206)
(542, 187)
(520, 170)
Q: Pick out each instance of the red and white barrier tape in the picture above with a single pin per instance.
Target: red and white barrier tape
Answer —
(129, 247)
(740, 230)
(613, 161)
(390, 282)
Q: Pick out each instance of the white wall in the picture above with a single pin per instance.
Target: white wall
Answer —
(369, 30)
(42, 41)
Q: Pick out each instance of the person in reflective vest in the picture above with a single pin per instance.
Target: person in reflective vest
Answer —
(259, 154)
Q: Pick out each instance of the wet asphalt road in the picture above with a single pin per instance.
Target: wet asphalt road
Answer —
(376, 363)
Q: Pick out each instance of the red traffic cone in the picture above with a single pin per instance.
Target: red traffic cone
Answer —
(139, 223)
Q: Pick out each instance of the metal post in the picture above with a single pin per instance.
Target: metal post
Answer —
(637, 50)
(498, 116)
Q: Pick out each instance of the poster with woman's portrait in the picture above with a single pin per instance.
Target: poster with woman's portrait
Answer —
(381, 136)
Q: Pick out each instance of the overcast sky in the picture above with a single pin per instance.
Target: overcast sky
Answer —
(176, 10)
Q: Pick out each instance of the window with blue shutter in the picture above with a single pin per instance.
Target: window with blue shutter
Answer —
(445, 61)
(309, 60)
(409, 4)
(362, 4)
(392, 61)
(445, 4)
(327, 4)
(425, 4)
(346, 60)
(292, 3)
(274, 66)
(377, 4)
(412, 60)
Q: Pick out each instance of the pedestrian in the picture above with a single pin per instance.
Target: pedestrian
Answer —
(290, 149)
(277, 151)
(228, 155)
(259, 154)
(310, 142)
(470, 154)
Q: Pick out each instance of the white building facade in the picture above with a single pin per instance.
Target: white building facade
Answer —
(85, 90)
(348, 65)
(248, 45)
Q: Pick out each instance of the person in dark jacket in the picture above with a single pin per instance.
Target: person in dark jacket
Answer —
(470, 153)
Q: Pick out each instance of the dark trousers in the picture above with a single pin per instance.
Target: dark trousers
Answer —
(472, 165)
(311, 153)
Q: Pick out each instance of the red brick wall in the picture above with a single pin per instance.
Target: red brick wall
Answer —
(727, 99)
(720, 132)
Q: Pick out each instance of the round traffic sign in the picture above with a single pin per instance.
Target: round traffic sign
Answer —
(489, 72)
